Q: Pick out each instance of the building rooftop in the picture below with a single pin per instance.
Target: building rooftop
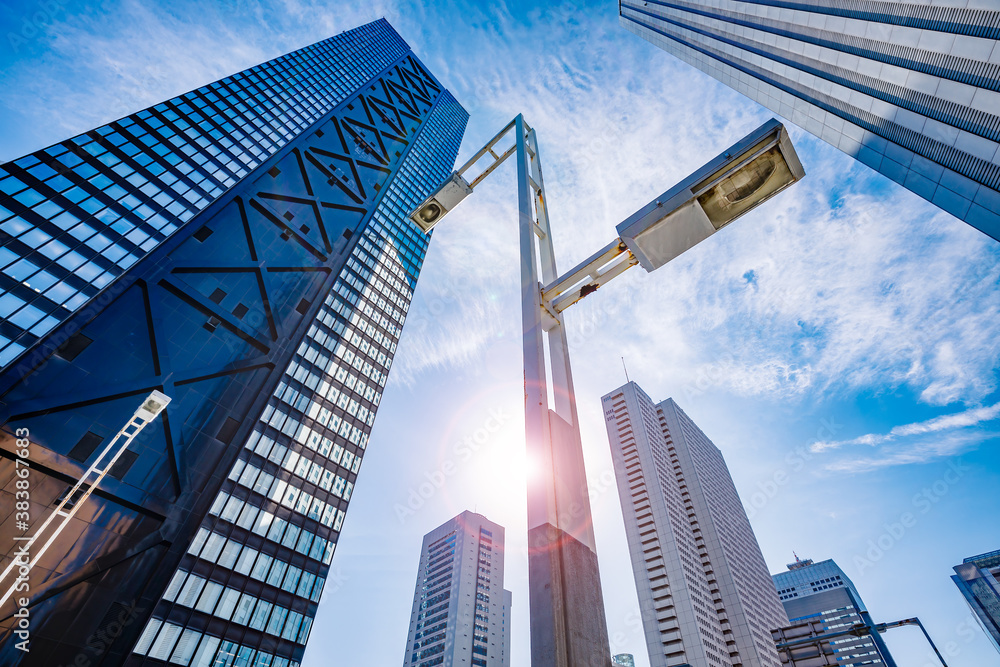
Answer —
(988, 560)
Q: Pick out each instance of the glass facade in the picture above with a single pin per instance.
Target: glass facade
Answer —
(76, 215)
(911, 90)
(977, 578)
(461, 612)
(270, 314)
(313, 433)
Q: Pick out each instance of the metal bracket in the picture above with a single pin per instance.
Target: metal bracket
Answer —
(488, 149)
(599, 269)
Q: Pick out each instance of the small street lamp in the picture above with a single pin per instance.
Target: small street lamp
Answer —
(63, 513)
(568, 625)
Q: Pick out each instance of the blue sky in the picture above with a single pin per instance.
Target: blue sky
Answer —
(838, 344)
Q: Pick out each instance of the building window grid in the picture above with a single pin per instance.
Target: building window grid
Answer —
(956, 115)
(951, 193)
(108, 149)
(366, 251)
(214, 598)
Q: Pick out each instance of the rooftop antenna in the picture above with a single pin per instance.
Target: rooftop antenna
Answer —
(626, 370)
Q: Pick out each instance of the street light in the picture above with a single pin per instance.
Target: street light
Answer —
(753, 170)
(444, 199)
(568, 626)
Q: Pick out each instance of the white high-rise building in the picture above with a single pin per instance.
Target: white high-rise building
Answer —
(705, 594)
(461, 612)
(910, 88)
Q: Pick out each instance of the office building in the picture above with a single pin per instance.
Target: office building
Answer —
(977, 578)
(623, 660)
(910, 89)
(705, 595)
(461, 612)
(820, 598)
(244, 249)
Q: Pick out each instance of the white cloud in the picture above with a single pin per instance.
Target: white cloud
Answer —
(958, 420)
(922, 452)
(919, 442)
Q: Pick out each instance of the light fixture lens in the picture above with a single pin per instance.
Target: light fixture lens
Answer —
(430, 213)
(152, 406)
(753, 183)
(747, 181)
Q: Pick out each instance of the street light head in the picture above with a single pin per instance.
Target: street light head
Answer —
(152, 406)
(430, 213)
(744, 176)
(444, 199)
(748, 186)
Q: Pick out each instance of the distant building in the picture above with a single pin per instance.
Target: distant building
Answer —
(704, 591)
(820, 598)
(977, 578)
(623, 660)
(461, 612)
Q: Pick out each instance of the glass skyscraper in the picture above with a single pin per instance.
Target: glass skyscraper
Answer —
(978, 578)
(244, 249)
(910, 89)
(705, 596)
(461, 612)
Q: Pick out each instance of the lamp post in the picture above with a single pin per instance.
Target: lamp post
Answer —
(568, 626)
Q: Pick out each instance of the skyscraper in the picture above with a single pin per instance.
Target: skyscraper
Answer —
(461, 612)
(910, 89)
(820, 598)
(977, 577)
(244, 249)
(705, 595)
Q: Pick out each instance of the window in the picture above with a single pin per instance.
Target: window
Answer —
(227, 604)
(243, 609)
(210, 595)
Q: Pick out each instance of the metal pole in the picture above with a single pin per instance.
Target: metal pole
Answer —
(916, 621)
(568, 626)
(930, 641)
